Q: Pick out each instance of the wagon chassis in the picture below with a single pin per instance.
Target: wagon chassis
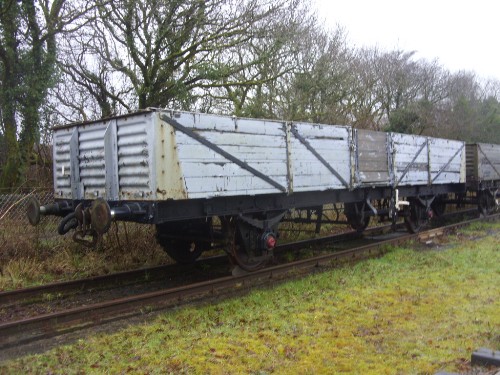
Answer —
(249, 224)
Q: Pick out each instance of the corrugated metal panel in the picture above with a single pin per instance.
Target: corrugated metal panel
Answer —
(110, 159)
(91, 160)
(134, 157)
(62, 161)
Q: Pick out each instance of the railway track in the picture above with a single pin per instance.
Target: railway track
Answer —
(92, 284)
(60, 290)
(18, 332)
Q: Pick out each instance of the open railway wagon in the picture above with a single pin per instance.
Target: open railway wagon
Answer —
(184, 171)
(483, 175)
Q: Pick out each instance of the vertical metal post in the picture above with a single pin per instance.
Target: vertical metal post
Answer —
(319, 217)
(111, 161)
(429, 168)
(390, 159)
(355, 175)
(77, 188)
(289, 171)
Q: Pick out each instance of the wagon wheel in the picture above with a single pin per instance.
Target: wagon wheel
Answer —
(185, 241)
(486, 203)
(439, 206)
(356, 216)
(415, 216)
(241, 245)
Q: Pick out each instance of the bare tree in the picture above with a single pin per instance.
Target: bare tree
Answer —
(88, 87)
(166, 53)
(28, 49)
(322, 85)
(268, 60)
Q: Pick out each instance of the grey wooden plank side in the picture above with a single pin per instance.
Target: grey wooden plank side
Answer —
(372, 158)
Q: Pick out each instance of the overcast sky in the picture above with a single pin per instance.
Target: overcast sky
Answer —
(462, 35)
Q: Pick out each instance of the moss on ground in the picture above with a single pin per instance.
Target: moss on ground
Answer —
(406, 312)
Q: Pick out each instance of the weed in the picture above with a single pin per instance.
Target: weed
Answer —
(405, 312)
(27, 259)
(15, 273)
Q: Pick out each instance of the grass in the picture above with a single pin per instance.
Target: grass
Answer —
(28, 256)
(408, 312)
(32, 256)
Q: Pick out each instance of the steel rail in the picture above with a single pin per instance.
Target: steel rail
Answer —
(149, 274)
(47, 325)
(102, 282)
(36, 293)
(79, 286)
(11, 297)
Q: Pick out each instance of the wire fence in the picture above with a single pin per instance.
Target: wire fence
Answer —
(17, 236)
(39, 253)
(13, 205)
(19, 239)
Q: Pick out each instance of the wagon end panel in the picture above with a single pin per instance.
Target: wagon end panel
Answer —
(108, 159)
(79, 166)
(223, 156)
(135, 157)
(62, 163)
(91, 160)
(372, 158)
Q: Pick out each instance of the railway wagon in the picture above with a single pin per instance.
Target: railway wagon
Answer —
(483, 174)
(423, 170)
(208, 179)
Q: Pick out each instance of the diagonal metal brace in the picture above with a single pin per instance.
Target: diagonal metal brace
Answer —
(220, 151)
(318, 156)
(411, 163)
(488, 160)
(449, 161)
(426, 202)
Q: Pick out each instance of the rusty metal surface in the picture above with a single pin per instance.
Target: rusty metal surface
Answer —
(8, 298)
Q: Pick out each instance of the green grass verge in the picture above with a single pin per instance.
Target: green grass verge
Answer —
(406, 312)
